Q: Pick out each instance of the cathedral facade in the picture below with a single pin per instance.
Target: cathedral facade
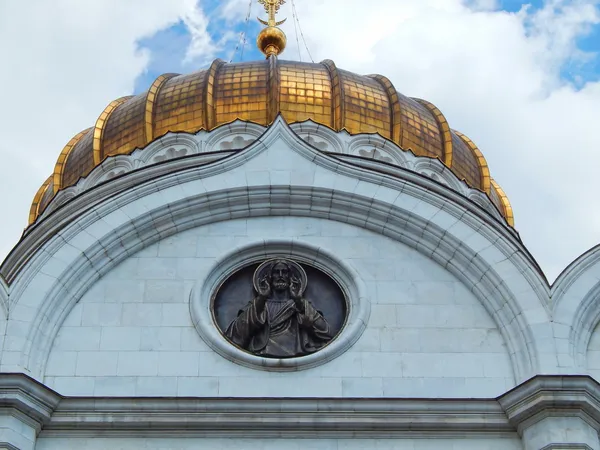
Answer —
(284, 255)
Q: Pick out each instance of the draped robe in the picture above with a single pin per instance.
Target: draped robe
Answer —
(279, 330)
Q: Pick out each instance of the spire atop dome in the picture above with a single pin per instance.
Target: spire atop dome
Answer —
(271, 40)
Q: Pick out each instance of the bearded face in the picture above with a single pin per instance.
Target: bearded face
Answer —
(280, 277)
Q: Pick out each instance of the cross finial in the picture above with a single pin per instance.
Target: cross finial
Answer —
(272, 8)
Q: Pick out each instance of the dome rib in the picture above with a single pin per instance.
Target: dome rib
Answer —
(444, 129)
(483, 165)
(99, 127)
(337, 104)
(508, 211)
(210, 113)
(274, 90)
(34, 211)
(59, 167)
(396, 107)
(150, 101)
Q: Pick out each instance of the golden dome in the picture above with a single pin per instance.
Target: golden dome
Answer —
(257, 92)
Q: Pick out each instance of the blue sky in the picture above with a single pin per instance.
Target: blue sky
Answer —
(167, 48)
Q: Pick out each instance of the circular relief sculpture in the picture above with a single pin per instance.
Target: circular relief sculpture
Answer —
(279, 309)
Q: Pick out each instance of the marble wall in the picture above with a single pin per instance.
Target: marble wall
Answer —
(132, 334)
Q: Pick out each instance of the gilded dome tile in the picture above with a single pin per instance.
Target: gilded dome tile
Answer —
(80, 160)
(257, 92)
(465, 163)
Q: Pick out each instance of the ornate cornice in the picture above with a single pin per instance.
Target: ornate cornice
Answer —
(539, 397)
(553, 396)
(30, 400)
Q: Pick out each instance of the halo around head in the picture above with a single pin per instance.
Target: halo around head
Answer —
(267, 266)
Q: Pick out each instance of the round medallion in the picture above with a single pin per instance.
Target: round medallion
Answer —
(315, 306)
(279, 308)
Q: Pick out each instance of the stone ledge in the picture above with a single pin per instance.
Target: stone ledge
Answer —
(7, 446)
(553, 396)
(290, 418)
(540, 397)
(29, 399)
(567, 447)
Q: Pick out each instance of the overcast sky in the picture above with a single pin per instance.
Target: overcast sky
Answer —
(522, 81)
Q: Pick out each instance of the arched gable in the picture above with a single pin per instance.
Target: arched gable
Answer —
(277, 175)
(576, 296)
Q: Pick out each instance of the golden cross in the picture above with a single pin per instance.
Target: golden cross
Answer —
(271, 7)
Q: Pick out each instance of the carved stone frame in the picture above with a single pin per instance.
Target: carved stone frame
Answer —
(358, 303)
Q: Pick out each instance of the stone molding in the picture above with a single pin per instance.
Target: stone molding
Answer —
(359, 305)
(431, 168)
(426, 216)
(542, 396)
(567, 447)
(28, 399)
(261, 417)
(7, 446)
(4, 296)
(553, 396)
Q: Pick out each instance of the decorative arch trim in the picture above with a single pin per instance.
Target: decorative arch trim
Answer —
(414, 211)
(576, 299)
(4, 296)
(201, 209)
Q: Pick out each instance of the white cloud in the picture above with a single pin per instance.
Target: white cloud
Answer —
(201, 46)
(63, 61)
(495, 75)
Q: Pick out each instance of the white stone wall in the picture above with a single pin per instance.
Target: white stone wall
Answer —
(132, 334)
(280, 444)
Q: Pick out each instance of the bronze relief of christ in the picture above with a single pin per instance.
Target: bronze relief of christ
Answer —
(279, 322)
